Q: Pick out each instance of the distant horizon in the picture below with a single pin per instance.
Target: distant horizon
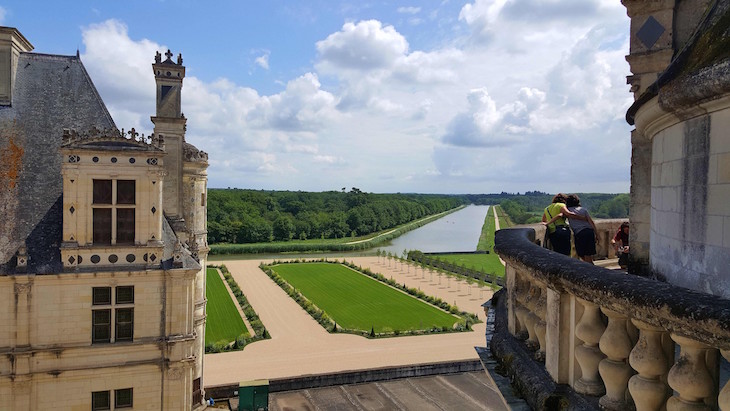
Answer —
(451, 97)
(414, 192)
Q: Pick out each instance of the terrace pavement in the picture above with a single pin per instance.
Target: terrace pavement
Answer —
(300, 346)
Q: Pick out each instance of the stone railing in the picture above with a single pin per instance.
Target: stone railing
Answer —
(609, 335)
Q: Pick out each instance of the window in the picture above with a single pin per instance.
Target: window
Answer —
(113, 206)
(123, 398)
(101, 400)
(101, 315)
(197, 392)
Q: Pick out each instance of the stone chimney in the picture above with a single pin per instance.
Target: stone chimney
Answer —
(12, 43)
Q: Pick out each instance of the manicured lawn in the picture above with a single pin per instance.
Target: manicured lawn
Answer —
(486, 263)
(357, 302)
(479, 262)
(223, 322)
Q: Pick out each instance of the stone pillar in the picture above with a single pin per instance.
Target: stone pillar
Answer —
(691, 378)
(648, 388)
(616, 344)
(559, 341)
(640, 202)
(589, 330)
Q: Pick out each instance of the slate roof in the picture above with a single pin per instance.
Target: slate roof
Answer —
(51, 93)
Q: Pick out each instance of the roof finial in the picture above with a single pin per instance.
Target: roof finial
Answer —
(78, 56)
(179, 59)
(158, 57)
(168, 54)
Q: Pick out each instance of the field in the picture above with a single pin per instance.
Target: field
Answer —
(357, 302)
(223, 322)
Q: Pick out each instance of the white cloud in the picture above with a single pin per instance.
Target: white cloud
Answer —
(366, 45)
(263, 60)
(3, 13)
(409, 10)
(505, 103)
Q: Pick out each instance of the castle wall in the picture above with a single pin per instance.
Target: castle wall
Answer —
(690, 188)
(48, 360)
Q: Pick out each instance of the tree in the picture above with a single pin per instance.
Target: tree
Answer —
(283, 228)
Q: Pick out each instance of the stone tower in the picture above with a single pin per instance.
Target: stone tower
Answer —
(170, 123)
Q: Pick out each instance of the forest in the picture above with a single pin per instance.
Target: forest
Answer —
(250, 216)
(241, 216)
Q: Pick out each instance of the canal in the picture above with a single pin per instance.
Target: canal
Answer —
(458, 231)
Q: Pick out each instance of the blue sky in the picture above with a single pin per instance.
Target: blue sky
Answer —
(445, 96)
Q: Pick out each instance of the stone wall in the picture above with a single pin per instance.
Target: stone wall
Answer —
(690, 234)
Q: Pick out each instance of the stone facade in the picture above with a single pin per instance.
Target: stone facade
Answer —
(680, 213)
(102, 268)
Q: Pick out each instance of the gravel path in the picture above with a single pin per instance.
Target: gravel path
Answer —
(300, 346)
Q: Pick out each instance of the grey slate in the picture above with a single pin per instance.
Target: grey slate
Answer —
(51, 93)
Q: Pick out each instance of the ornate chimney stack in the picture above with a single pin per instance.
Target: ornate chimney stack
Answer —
(170, 127)
(12, 43)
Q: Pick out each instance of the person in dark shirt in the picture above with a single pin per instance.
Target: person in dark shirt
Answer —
(620, 243)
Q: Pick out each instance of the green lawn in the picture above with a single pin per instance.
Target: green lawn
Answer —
(358, 302)
(486, 263)
(223, 322)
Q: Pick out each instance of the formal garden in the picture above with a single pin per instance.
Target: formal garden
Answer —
(344, 298)
(225, 330)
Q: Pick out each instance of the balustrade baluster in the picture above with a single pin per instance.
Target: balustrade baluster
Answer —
(531, 318)
(589, 330)
(724, 398)
(521, 311)
(616, 344)
(541, 325)
(648, 388)
(689, 377)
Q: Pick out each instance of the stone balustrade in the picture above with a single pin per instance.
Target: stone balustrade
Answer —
(608, 335)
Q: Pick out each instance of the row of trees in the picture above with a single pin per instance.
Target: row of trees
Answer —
(250, 216)
(527, 208)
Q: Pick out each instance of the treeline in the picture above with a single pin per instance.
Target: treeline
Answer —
(527, 208)
(250, 216)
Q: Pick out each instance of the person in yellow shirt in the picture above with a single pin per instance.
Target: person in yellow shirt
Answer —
(558, 230)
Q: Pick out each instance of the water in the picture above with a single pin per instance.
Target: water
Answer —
(457, 231)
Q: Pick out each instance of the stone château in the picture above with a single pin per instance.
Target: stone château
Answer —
(102, 242)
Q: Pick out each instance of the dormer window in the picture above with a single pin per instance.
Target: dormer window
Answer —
(113, 207)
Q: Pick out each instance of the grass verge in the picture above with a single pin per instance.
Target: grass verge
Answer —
(241, 341)
(223, 323)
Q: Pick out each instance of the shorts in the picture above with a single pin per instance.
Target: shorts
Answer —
(560, 239)
(585, 242)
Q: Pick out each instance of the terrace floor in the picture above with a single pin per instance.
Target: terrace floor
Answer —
(299, 346)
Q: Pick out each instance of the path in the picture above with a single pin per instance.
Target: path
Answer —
(496, 227)
(299, 346)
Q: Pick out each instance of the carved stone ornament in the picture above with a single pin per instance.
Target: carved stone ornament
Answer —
(23, 288)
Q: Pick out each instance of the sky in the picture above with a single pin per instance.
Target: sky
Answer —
(470, 96)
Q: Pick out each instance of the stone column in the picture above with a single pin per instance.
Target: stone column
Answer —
(616, 344)
(640, 202)
(648, 388)
(690, 377)
(590, 328)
